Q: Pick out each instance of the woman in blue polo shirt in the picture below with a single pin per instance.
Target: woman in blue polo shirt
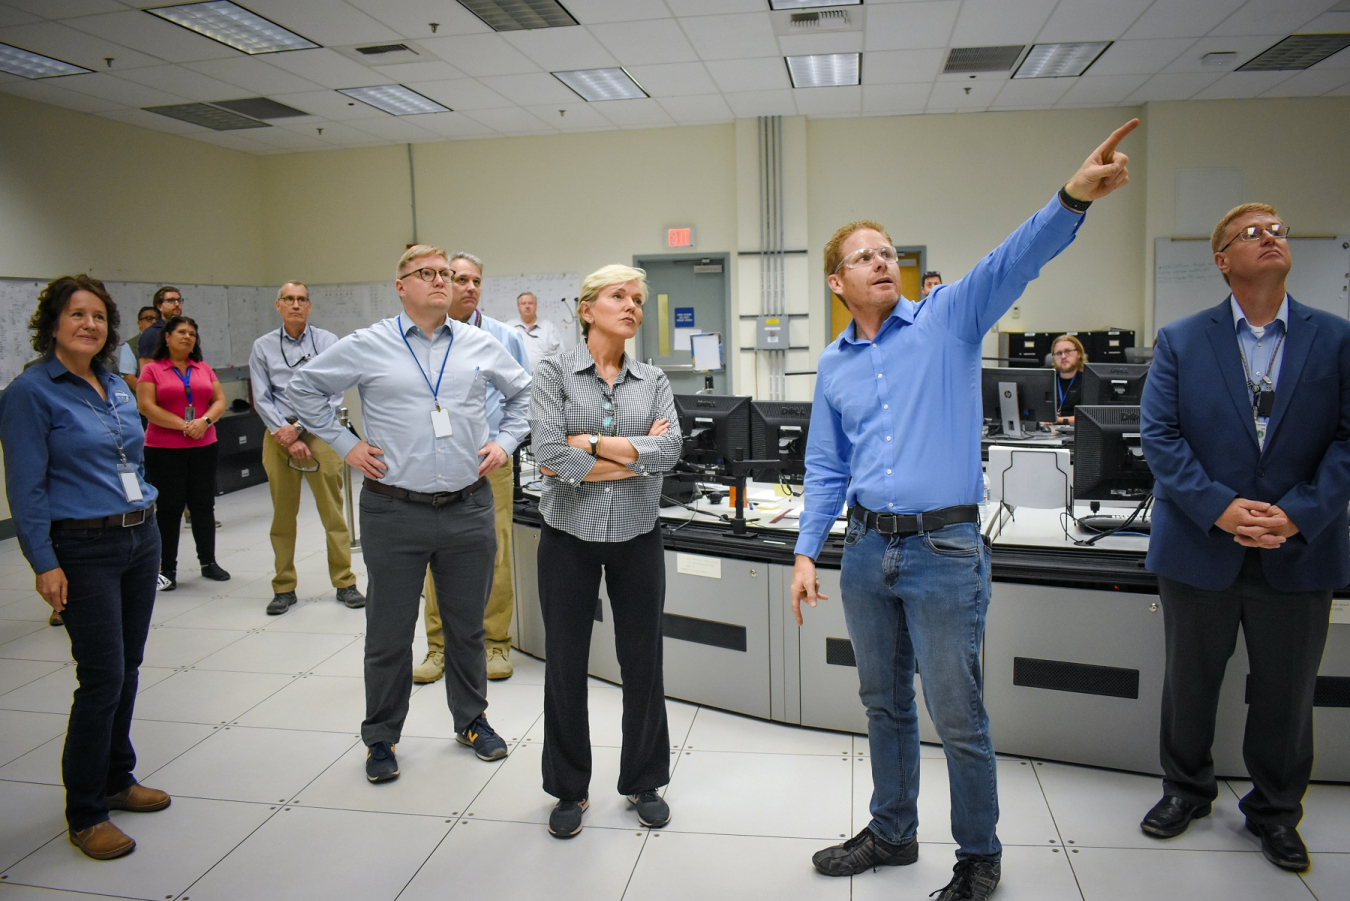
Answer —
(86, 521)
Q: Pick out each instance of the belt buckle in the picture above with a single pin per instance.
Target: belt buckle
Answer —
(127, 525)
(894, 523)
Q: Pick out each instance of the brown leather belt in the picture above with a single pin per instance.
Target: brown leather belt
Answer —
(122, 520)
(913, 523)
(439, 499)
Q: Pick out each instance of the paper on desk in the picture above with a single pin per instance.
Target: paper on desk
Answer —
(1340, 610)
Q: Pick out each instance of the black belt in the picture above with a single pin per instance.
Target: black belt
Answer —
(123, 520)
(439, 499)
(913, 523)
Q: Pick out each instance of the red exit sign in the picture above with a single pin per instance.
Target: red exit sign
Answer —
(679, 237)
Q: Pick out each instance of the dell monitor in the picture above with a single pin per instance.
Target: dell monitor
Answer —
(716, 428)
(778, 432)
(1113, 383)
(1108, 458)
(1018, 399)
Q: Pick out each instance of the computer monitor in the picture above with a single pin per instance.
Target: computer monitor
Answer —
(1030, 398)
(778, 431)
(1108, 459)
(1113, 383)
(716, 428)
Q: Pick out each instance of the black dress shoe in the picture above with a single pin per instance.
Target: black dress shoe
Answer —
(213, 571)
(1170, 816)
(1281, 845)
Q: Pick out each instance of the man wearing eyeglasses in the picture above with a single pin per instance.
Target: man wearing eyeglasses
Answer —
(1246, 427)
(290, 454)
(895, 431)
(128, 366)
(168, 303)
(423, 379)
(465, 291)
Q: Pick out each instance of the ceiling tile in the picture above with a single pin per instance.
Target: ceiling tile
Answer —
(579, 116)
(327, 68)
(1031, 93)
(327, 105)
(513, 121)
(232, 140)
(1342, 91)
(463, 94)
(182, 81)
(836, 101)
(593, 12)
(407, 73)
(64, 9)
(697, 110)
(645, 43)
(987, 23)
(480, 54)
(1266, 18)
(1139, 57)
(10, 16)
(1310, 83)
(323, 21)
(288, 139)
(1091, 20)
(1172, 19)
(559, 49)
(1244, 47)
(807, 44)
(897, 66)
(531, 89)
(258, 76)
(119, 90)
(1242, 85)
(47, 90)
(910, 26)
(1332, 22)
(750, 74)
(451, 125)
(391, 128)
(338, 134)
(750, 104)
(141, 119)
(634, 112)
(952, 95)
(732, 37)
(895, 98)
(413, 18)
(1180, 86)
(714, 7)
(1099, 89)
(69, 45)
(152, 35)
(674, 79)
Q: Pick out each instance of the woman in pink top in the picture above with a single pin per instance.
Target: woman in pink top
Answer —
(182, 398)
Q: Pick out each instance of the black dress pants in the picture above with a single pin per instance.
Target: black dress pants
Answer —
(1285, 633)
(185, 477)
(569, 583)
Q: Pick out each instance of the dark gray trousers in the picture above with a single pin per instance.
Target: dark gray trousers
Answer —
(399, 540)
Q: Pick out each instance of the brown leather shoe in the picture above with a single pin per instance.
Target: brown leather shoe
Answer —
(139, 799)
(103, 841)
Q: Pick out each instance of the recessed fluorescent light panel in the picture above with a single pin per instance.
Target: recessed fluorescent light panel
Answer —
(27, 64)
(810, 4)
(396, 100)
(1298, 51)
(234, 26)
(982, 59)
(1060, 60)
(594, 85)
(825, 70)
(519, 15)
(207, 116)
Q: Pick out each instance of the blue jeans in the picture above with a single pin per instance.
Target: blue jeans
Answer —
(923, 597)
(111, 575)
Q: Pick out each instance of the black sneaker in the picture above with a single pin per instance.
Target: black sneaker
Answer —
(652, 810)
(865, 851)
(973, 879)
(381, 765)
(214, 572)
(565, 820)
(280, 603)
(488, 745)
(352, 597)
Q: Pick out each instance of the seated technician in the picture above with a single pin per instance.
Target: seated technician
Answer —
(1068, 357)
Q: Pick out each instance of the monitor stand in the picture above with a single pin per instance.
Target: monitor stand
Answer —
(1010, 413)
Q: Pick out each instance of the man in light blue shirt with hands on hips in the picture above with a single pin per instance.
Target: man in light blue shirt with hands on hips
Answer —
(423, 380)
(905, 455)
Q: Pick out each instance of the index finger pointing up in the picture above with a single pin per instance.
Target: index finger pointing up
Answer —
(1108, 148)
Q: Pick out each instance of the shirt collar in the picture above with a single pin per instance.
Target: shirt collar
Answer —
(585, 361)
(303, 332)
(904, 313)
(411, 326)
(1240, 318)
(55, 369)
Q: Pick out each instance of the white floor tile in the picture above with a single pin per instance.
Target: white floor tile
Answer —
(24, 605)
(593, 866)
(170, 605)
(714, 730)
(252, 587)
(22, 731)
(438, 778)
(239, 614)
(29, 640)
(1329, 877)
(347, 854)
(320, 703)
(169, 646)
(320, 616)
(207, 696)
(264, 765)
(350, 661)
(677, 866)
(528, 670)
(605, 704)
(35, 814)
(292, 653)
(25, 893)
(1326, 816)
(156, 744)
(17, 673)
(1119, 874)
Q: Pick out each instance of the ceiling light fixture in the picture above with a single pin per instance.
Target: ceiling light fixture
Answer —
(27, 64)
(396, 100)
(810, 4)
(519, 15)
(594, 85)
(825, 70)
(233, 26)
(1060, 60)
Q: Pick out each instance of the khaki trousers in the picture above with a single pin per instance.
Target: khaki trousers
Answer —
(326, 485)
(502, 600)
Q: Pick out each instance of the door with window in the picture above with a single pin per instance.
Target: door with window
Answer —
(687, 294)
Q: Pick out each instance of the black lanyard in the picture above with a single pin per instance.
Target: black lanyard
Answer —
(281, 340)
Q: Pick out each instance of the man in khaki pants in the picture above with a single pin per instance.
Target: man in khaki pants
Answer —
(465, 291)
(291, 454)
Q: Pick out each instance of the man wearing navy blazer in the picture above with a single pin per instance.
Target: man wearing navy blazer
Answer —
(1246, 426)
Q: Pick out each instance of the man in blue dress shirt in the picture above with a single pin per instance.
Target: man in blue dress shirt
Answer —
(423, 379)
(915, 573)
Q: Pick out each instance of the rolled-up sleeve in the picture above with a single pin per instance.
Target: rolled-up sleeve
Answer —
(548, 426)
(311, 391)
(659, 453)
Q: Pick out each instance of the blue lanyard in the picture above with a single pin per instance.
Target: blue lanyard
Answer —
(186, 379)
(436, 391)
(1064, 392)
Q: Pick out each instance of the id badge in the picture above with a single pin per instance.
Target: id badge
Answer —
(440, 423)
(131, 486)
(189, 413)
(1261, 425)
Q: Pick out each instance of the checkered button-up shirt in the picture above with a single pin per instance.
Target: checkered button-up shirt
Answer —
(569, 397)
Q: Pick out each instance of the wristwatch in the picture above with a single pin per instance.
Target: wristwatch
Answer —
(595, 444)
(207, 420)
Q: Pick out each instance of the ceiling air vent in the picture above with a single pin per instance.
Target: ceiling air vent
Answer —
(259, 108)
(825, 20)
(388, 54)
(982, 59)
(206, 115)
(519, 15)
(1298, 51)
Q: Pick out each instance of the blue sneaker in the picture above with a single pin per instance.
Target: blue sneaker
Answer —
(488, 745)
(381, 765)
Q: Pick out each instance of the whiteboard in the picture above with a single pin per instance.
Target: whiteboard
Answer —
(1186, 281)
(557, 296)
